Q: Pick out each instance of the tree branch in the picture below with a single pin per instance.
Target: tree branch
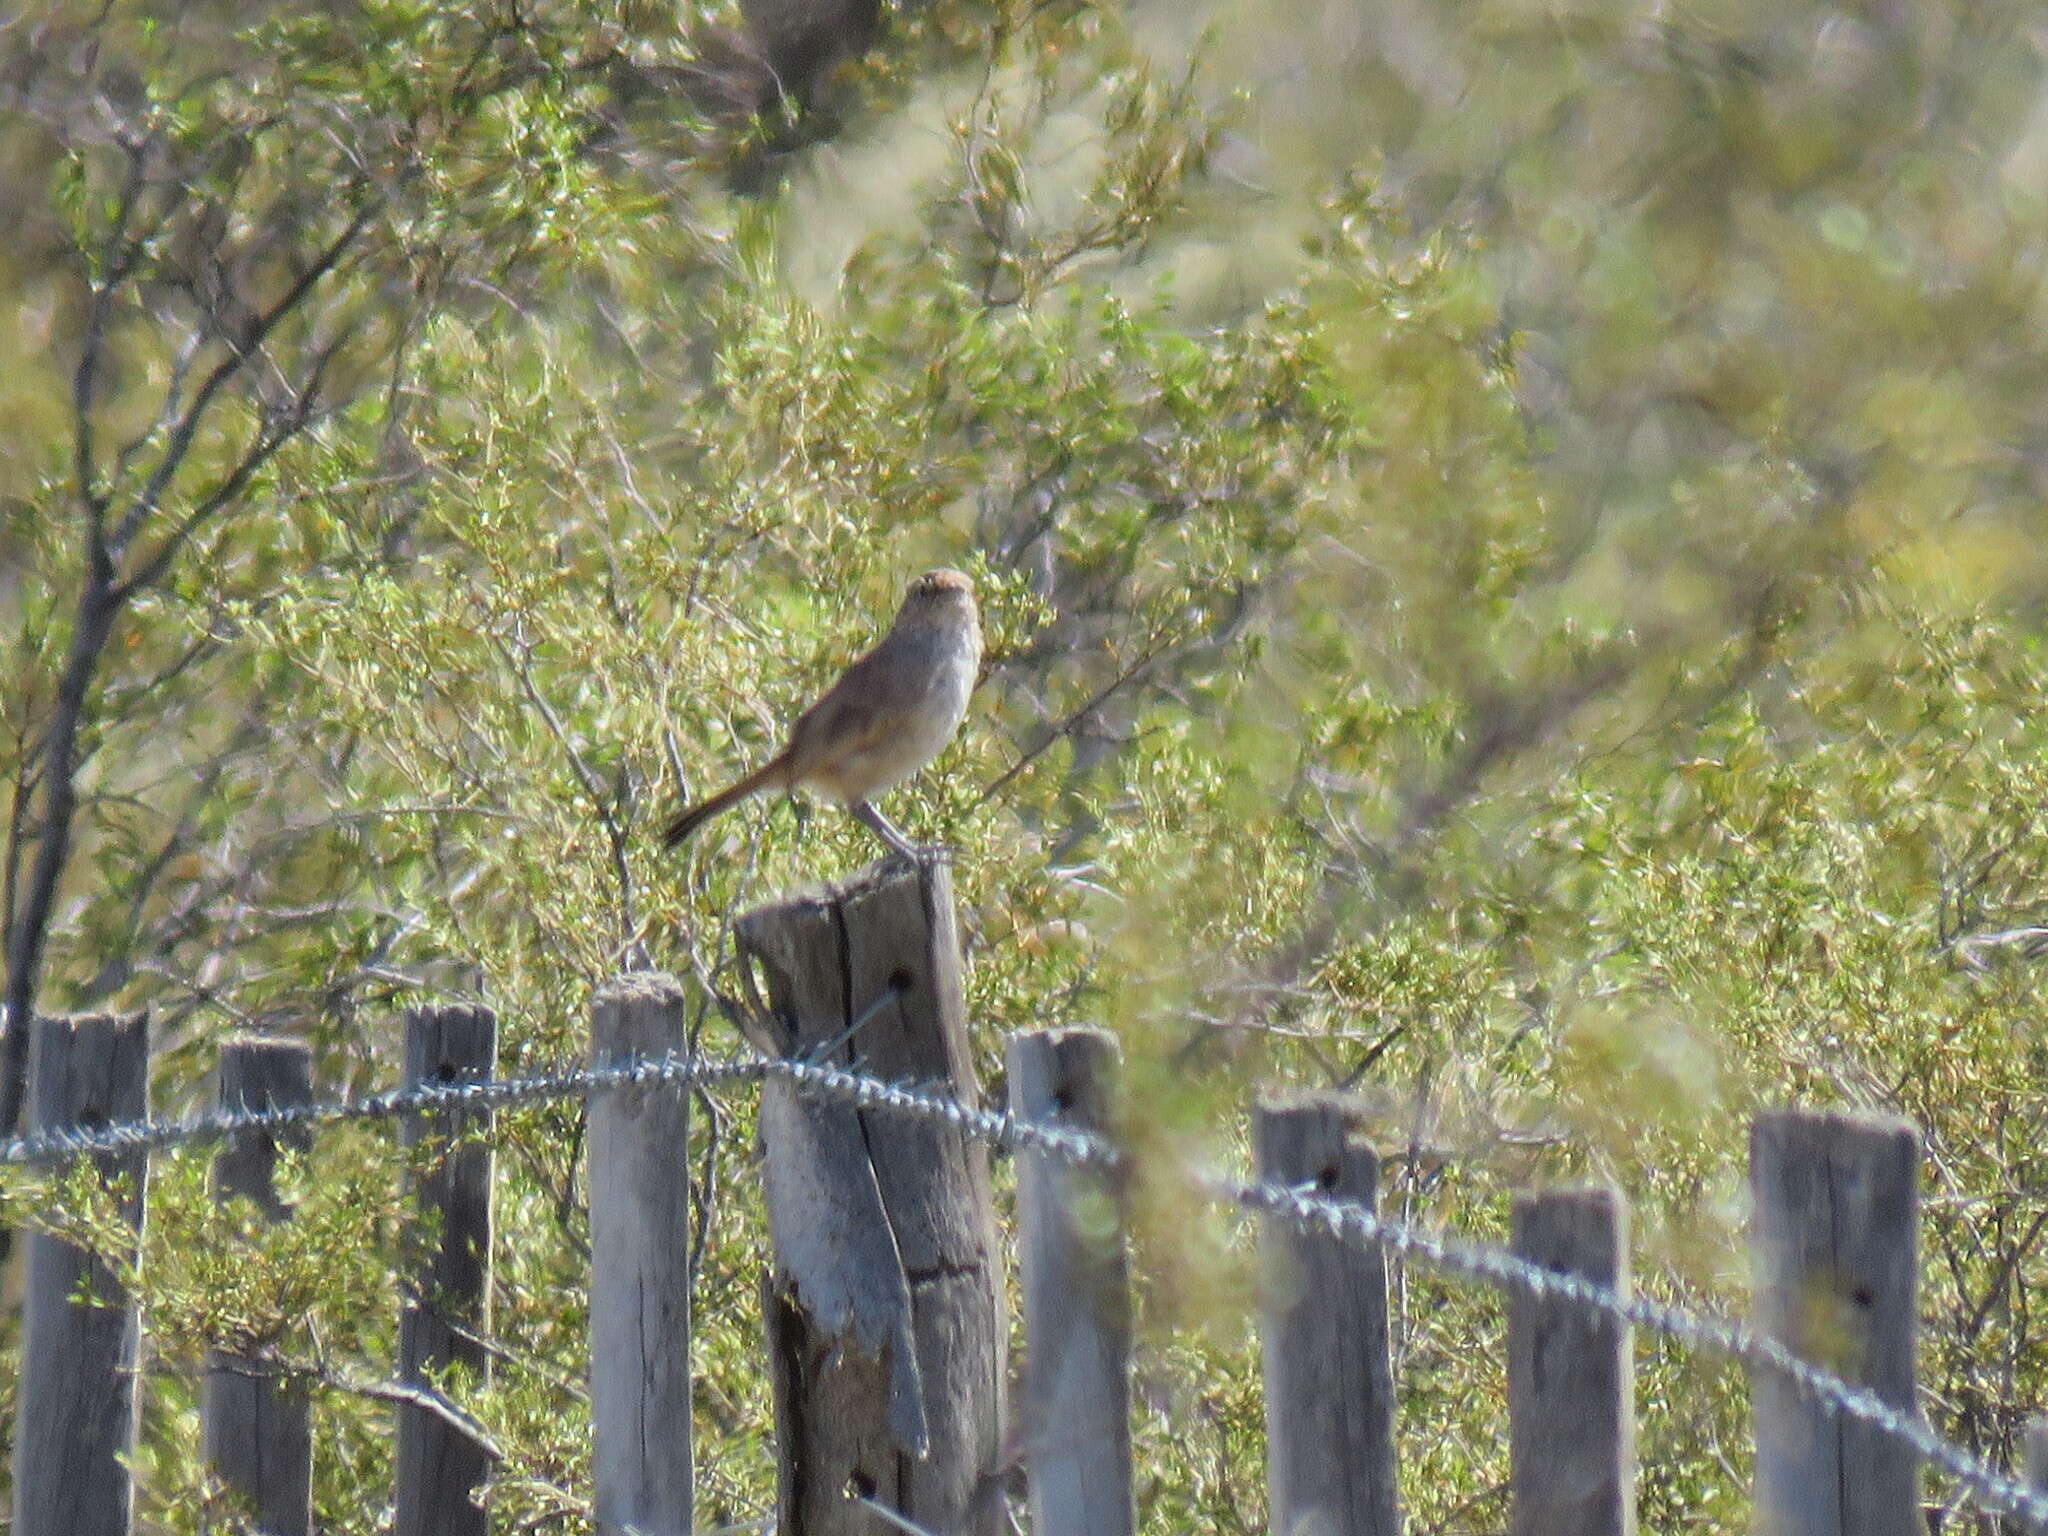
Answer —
(241, 350)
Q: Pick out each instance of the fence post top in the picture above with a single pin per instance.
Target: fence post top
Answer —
(255, 1041)
(457, 1014)
(1594, 1193)
(934, 872)
(110, 1022)
(639, 987)
(1321, 1103)
(1865, 1125)
(1055, 1036)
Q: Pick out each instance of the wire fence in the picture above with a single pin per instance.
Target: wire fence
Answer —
(1446, 1252)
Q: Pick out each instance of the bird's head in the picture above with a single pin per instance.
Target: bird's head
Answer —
(939, 595)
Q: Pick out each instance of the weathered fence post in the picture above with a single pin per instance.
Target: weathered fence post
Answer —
(884, 1322)
(1571, 1388)
(2034, 1468)
(255, 1430)
(640, 1267)
(1836, 1251)
(439, 1462)
(75, 1414)
(2035, 1452)
(1323, 1326)
(1075, 1419)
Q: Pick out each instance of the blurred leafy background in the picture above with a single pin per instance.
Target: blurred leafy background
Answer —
(1511, 542)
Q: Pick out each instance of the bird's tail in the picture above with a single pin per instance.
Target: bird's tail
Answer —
(773, 775)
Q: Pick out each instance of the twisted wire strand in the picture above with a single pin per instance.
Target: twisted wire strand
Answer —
(63, 1143)
(1507, 1271)
(1345, 1221)
(1466, 1258)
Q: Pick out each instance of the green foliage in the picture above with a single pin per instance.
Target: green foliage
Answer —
(1509, 557)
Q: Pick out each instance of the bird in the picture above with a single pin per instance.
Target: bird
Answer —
(891, 712)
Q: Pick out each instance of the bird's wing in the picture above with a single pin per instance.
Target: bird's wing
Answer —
(857, 713)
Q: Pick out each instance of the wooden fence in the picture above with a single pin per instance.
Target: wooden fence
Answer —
(883, 1304)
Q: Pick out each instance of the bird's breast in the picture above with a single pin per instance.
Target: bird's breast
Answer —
(935, 682)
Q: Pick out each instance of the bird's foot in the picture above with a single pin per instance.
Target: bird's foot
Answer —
(901, 848)
(918, 856)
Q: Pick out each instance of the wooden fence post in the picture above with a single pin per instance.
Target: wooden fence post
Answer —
(439, 1464)
(640, 1267)
(884, 1324)
(1076, 1428)
(2033, 1467)
(255, 1430)
(75, 1415)
(1323, 1325)
(1571, 1386)
(1836, 1251)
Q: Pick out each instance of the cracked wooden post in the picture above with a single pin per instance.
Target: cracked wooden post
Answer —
(1836, 1251)
(255, 1430)
(1323, 1326)
(1571, 1379)
(640, 1267)
(75, 1418)
(440, 1463)
(884, 1315)
(1075, 1419)
(2034, 1453)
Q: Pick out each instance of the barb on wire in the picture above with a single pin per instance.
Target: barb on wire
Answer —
(990, 1125)
(1447, 1252)
(1504, 1270)
(1487, 1263)
(61, 1144)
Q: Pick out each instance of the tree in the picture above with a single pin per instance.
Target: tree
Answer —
(1508, 558)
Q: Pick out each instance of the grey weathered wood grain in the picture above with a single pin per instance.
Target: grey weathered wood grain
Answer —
(75, 1417)
(1836, 1256)
(884, 1321)
(1571, 1383)
(1323, 1329)
(1074, 1422)
(255, 1430)
(441, 1325)
(2035, 1452)
(640, 1268)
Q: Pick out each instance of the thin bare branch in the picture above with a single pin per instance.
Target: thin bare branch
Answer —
(115, 261)
(519, 656)
(241, 351)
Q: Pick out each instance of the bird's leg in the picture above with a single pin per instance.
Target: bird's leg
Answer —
(885, 829)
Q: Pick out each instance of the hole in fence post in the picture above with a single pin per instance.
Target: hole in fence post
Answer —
(1074, 1282)
(905, 1384)
(1323, 1331)
(440, 1466)
(1836, 1223)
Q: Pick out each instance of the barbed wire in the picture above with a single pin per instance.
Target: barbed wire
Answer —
(1490, 1264)
(65, 1143)
(1506, 1270)
(1345, 1221)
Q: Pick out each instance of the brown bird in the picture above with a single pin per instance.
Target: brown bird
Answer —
(889, 714)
